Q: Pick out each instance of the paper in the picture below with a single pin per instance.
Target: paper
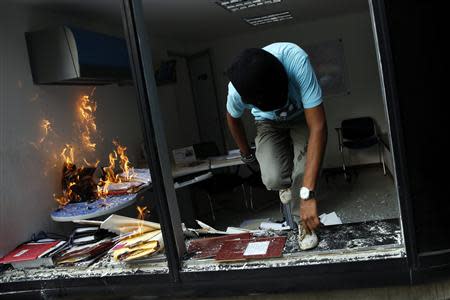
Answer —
(257, 248)
(274, 226)
(330, 219)
(184, 155)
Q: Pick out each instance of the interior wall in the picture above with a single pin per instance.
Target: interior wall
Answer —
(365, 97)
(29, 173)
(176, 100)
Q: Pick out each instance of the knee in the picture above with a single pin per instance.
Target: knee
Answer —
(274, 180)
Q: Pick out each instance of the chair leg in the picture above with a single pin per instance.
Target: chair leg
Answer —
(211, 206)
(251, 198)
(244, 195)
(344, 168)
(381, 156)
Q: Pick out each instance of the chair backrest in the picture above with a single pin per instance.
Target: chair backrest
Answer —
(358, 128)
(206, 149)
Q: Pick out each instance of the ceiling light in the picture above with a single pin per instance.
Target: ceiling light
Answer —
(236, 5)
(277, 17)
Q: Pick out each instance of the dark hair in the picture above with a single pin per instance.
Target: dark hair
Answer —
(260, 79)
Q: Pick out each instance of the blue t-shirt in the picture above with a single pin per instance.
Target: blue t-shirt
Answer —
(303, 90)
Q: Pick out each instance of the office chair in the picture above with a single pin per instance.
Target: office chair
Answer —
(205, 150)
(356, 134)
(220, 182)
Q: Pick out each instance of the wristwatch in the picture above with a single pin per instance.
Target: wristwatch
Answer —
(306, 194)
(248, 159)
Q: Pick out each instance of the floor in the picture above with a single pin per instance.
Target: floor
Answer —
(431, 291)
(369, 196)
(367, 206)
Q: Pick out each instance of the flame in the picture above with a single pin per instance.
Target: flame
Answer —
(118, 160)
(109, 170)
(46, 126)
(89, 164)
(103, 188)
(110, 176)
(142, 212)
(87, 108)
(66, 196)
(68, 155)
(62, 200)
(125, 166)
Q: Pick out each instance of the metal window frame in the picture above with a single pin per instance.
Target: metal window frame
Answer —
(238, 280)
(153, 132)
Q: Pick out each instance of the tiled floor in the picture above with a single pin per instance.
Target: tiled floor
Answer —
(369, 196)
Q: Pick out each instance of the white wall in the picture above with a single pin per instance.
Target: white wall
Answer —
(176, 100)
(365, 98)
(25, 191)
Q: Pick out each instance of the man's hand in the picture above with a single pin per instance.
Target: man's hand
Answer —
(308, 213)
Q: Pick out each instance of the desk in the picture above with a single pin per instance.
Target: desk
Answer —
(212, 163)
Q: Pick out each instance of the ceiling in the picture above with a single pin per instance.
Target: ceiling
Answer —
(199, 20)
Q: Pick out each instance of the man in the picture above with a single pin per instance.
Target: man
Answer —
(277, 83)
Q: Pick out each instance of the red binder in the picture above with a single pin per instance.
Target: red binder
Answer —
(257, 248)
(28, 252)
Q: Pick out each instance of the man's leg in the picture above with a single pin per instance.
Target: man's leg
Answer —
(299, 136)
(275, 155)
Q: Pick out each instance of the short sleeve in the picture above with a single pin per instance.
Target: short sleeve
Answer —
(305, 77)
(235, 106)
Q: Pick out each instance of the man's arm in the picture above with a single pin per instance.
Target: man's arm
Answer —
(238, 132)
(315, 118)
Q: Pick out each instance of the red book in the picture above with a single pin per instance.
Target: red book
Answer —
(31, 252)
(208, 247)
(256, 248)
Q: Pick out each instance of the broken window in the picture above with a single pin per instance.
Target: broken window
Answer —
(111, 155)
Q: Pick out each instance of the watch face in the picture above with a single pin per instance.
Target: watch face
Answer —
(304, 193)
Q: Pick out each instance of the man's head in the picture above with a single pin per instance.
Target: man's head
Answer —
(260, 79)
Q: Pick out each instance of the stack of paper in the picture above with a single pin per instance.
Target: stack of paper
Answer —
(138, 246)
(137, 239)
(83, 254)
(120, 224)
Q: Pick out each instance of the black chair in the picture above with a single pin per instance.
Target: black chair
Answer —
(220, 182)
(205, 150)
(357, 134)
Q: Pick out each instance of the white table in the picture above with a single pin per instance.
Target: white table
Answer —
(205, 165)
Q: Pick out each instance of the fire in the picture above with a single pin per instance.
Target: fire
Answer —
(110, 176)
(68, 155)
(103, 188)
(124, 162)
(46, 126)
(66, 196)
(81, 183)
(89, 164)
(142, 212)
(109, 171)
(87, 109)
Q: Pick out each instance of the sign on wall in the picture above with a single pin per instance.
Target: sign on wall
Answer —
(328, 61)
